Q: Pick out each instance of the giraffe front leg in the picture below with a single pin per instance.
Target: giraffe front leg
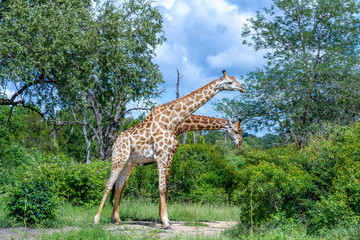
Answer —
(164, 154)
(163, 190)
(119, 188)
(164, 165)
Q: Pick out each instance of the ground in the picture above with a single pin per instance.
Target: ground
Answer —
(133, 228)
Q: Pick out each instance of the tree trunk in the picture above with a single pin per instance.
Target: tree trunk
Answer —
(184, 134)
(195, 137)
(88, 145)
(87, 141)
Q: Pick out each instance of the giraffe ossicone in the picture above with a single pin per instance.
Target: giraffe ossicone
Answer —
(154, 139)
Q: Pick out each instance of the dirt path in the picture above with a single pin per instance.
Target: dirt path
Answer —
(133, 228)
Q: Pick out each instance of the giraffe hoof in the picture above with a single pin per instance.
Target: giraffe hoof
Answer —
(117, 221)
(166, 227)
(96, 220)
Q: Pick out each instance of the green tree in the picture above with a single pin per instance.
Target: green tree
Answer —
(312, 72)
(43, 49)
(89, 58)
(123, 70)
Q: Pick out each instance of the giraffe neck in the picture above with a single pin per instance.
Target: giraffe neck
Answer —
(180, 109)
(197, 123)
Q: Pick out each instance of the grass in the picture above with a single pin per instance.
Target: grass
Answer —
(90, 233)
(69, 215)
(80, 220)
(291, 231)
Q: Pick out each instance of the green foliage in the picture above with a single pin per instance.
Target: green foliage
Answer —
(81, 184)
(292, 230)
(44, 42)
(33, 202)
(312, 73)
(24, 128)
(272, 184)
(89, 58)
(143, 183)
(199, 173)
(329, 212)
(317, 184)
(76, 182)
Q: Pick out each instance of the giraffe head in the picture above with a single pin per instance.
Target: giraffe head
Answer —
(235, 131)
(229, 83)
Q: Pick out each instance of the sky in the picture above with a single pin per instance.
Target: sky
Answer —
(204, 38)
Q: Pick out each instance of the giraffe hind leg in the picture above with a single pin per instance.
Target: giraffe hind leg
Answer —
(119, 188)
(119, 161)
(108, 188)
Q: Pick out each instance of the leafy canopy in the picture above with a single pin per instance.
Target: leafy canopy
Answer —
(312, 72)
(53, 53)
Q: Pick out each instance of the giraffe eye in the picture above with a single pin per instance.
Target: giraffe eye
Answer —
(236, 132)
(229, 83)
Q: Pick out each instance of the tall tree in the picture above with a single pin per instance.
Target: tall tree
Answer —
(312, 74)
(90, 58)
(42, 49)
(123, 70)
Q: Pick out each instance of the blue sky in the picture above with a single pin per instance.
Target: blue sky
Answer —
(203, 38)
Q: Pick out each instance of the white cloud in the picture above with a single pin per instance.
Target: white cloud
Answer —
(170, 54)
(235, 57)
(203, 38)
(167, 4)
(168, 17)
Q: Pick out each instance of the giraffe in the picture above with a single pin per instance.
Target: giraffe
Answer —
(154, 140)
(192, 123)
(198, 123)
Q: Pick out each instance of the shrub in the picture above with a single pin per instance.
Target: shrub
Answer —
(328, 213)
(199, 173)
(81, 184)
(33, 202)
(143, 183)
(198, 169)
(271, 185)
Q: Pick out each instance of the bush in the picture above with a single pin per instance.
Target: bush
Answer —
(329, 212)
(318, 184)
(143, 183)
(33, 202)
(81, 184)
(272, 185)
(199, 173)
